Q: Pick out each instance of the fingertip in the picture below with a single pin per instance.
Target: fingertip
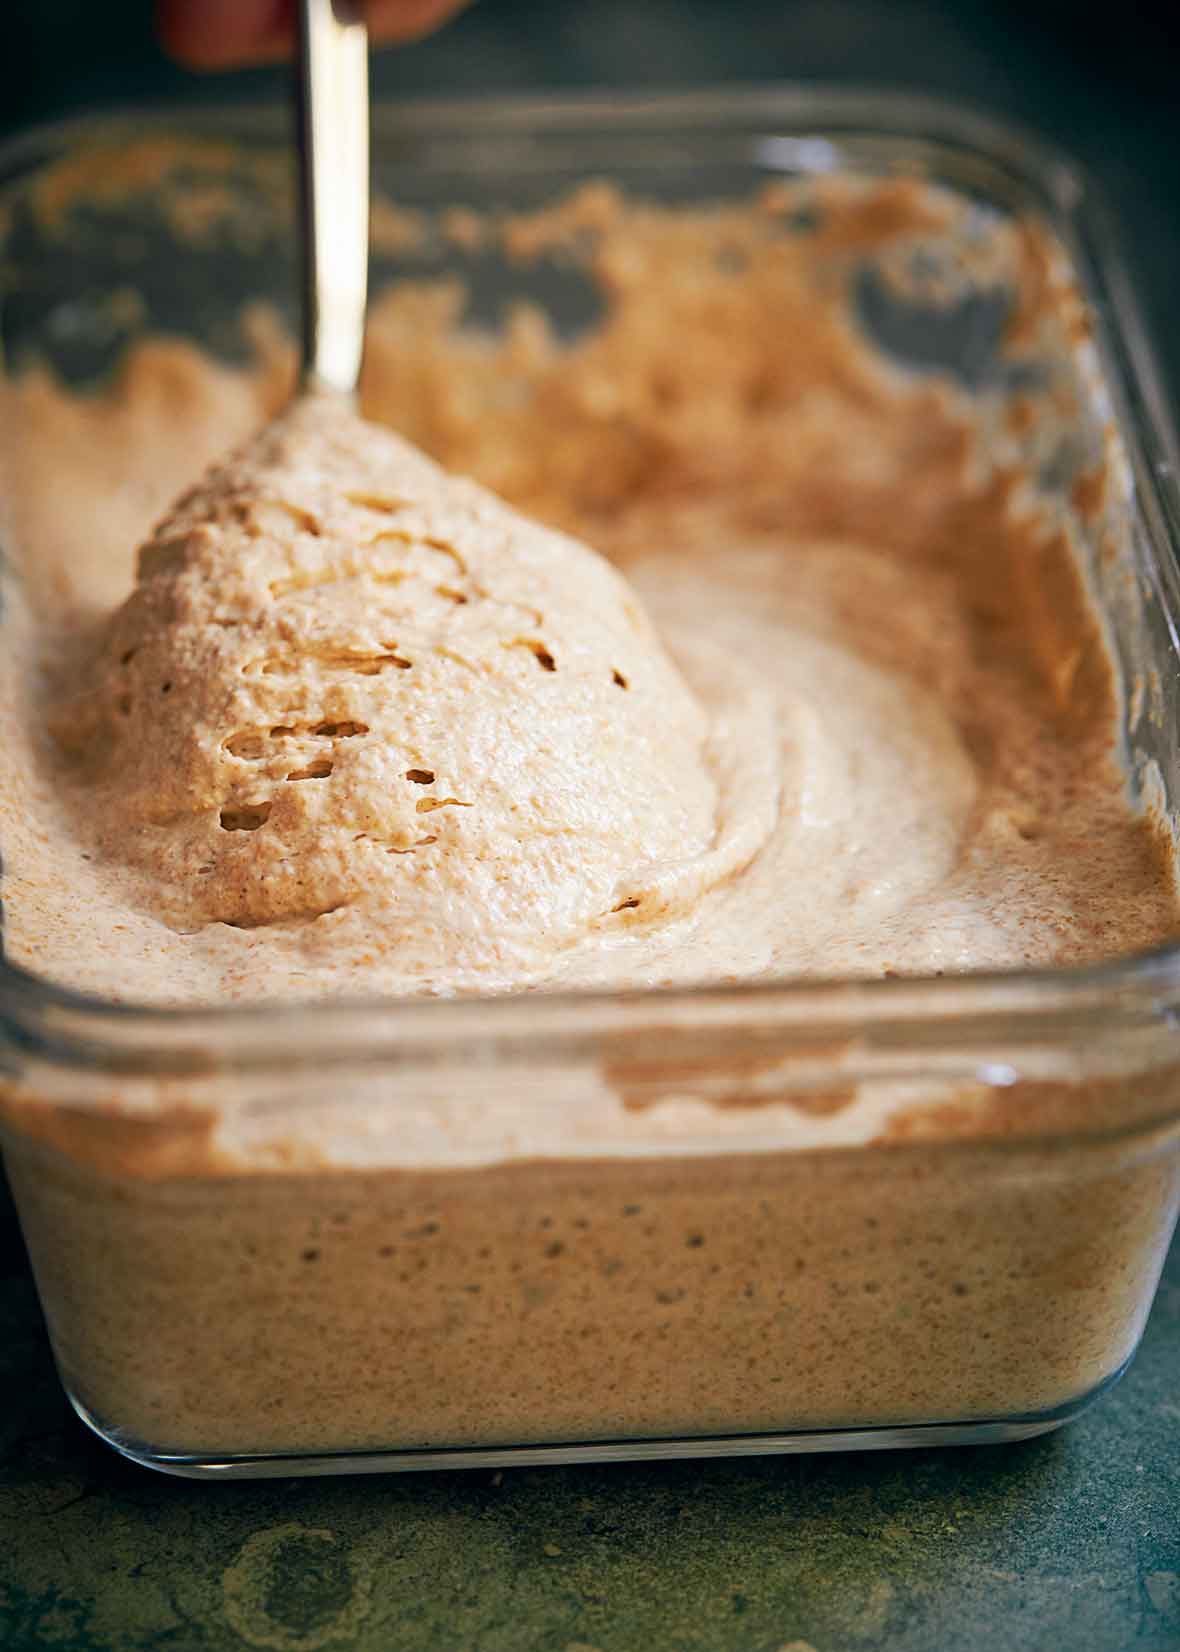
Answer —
(223, 34)
(401, 21)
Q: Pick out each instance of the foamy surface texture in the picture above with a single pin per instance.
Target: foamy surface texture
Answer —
(351, 723)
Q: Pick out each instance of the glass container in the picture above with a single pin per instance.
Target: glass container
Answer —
(785, 1216)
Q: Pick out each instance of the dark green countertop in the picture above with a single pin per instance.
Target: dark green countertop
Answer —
(1069, 1543)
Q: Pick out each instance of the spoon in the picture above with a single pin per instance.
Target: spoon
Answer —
(361, 702)
(333, 146)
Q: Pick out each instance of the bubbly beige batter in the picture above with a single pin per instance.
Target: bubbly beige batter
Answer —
(360, 727)
(356, 726)
(363, 705)
(352, 692)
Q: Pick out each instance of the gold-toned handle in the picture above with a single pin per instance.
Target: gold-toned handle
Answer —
(333, 87)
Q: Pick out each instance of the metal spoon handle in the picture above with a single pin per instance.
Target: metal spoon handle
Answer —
(333, 100)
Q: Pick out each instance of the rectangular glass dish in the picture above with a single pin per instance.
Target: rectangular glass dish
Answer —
(772, 1217)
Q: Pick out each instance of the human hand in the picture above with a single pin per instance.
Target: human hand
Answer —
(226, 34)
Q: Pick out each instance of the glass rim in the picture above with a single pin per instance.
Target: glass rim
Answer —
(892, 112)
(42, 1020)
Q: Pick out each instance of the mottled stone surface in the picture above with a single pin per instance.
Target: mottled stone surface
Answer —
(1071, 1541)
